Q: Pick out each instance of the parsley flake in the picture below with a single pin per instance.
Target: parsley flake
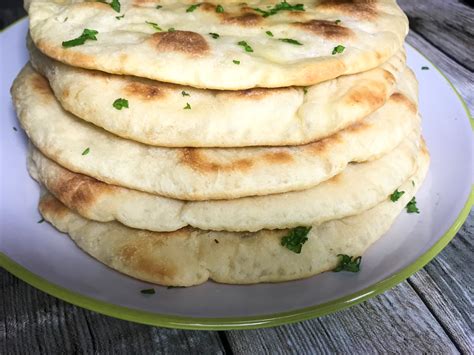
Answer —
(115, 4)
(246, 46)
(86, 151)
(338, 49)
(219, 9)
(305, 90)
(337, 22)
(87, 34)
(40, 221)
(120, 103)
(283, 6)
(413, 183)
(348, 263)
(171, 29)
(148, 291)
(295, 239)
(214, 35)
(184, 93)
(395, 196)
(291, 41)
(236, 62)
(193, 7)
(269, 33)
(120, 17)
(158, 7)
(154, 25)
(411, 206)
(187, 107)
(425, 68)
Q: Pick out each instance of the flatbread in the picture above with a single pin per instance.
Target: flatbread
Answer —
(155, 115)
(204, 173)
(192, 256)
(141, 44)
(358, 188)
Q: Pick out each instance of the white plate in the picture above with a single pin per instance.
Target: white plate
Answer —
(50, 261)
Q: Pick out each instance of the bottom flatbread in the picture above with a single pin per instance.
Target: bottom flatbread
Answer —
(191, 256)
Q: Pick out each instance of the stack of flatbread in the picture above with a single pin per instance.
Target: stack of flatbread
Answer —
(181, 141)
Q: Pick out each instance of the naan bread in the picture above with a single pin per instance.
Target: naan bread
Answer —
(192, 256)
(358, 188)
(156, 116)
(205, 173)
(141, 43)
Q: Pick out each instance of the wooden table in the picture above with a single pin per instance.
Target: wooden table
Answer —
(431, 312)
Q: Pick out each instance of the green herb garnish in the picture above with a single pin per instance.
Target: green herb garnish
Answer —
(348, 263)
(192, 7)
(154, 25)
(214, 35)
(283, 6)
(269, 33)
(171, 29)
(115, 4)
(411, 206)
(148, 291)
(187, 107)
(219, 9)
(425, 68)
(86, 151)
(236, 62)
(337, 22)
(292, 41)
(120, 17)
(295, 239)
(87, 34)
(184, 93)
(246, 46)
(158, 7)
(338, 49)
(41, 220)
(120, 104)
(305, 91)
(396, 195)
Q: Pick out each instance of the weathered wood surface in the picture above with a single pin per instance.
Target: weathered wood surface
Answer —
(430, 313)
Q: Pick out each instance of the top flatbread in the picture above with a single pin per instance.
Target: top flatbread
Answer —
(140, 43)
(206, 173)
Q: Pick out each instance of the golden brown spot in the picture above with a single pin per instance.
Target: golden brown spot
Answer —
(51, 208)
(66, 55)
(362, 9)
(196, 160)
(402, 99)
(322, 145)
(65, 93)
(91, 5)
(246, 20)
(254, 94)
(373, 95)
(186, 42)
(144, 91)
(280, 157)
(336, 179)
(326, 29)
(41, 85)
(358, 127)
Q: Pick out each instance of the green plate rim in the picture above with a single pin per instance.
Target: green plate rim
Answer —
(253, 322)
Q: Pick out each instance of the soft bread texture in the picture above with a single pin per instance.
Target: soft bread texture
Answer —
(206, 173)
(156, 116)
(358, 188)
(192, 256)
(371, 31)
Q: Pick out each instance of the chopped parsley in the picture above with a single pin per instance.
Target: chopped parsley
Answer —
(269, 33)
(15, 129)
(411, 206)
(192, 7)
(283, 6)
(291, 41)
(171, 29)
(148, 291)
(395, 196)
(425, 68)
(219, 9)
(184, 93)
(216, 241)
(86, 151)
(41, 220)
(187, 107)
(246, 46)
(236, 62)
(214, 35)
(115, 4)
(87, 34)
(158, 7)
(295, 239)
(348, 263)
(154, 25)
(337, 22)
(413, 183)
(338, 49)
(305, 90)
(120, 103)
(120, 17)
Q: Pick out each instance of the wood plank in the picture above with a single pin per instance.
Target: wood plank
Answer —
(446, 285)
(448, 25)
(34, 322)
(395, 322)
